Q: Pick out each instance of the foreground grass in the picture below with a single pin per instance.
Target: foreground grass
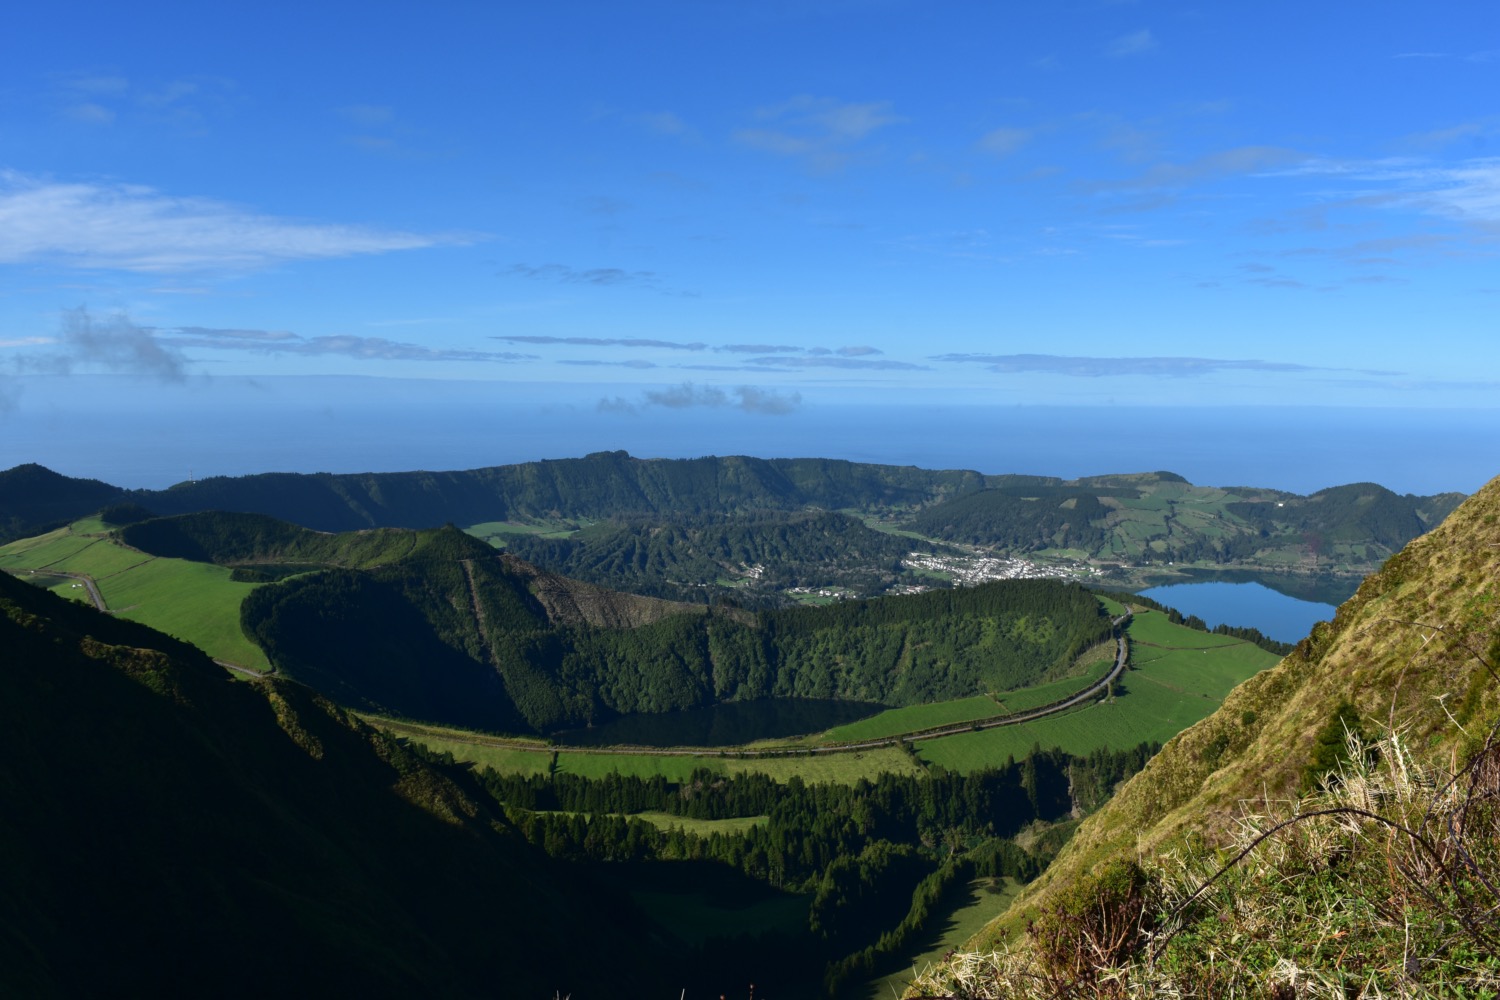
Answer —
(1384, 883)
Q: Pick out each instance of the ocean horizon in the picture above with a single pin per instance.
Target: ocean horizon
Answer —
(121, 431)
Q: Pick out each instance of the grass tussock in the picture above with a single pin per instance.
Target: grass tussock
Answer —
(1382, 882)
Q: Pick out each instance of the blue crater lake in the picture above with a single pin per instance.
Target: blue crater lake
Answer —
(1283, 618)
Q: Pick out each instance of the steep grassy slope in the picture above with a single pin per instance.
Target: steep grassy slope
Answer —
(1408, 651)
(167, 831)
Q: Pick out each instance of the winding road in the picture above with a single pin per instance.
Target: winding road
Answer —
(1122, 660)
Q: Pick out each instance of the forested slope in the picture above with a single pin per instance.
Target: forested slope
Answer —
(459, 634)
(1161, 518)
(597, 486)
(760, 554)
(436, 625)
(169, 831)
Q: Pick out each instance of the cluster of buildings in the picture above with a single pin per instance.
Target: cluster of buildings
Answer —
(969, 570)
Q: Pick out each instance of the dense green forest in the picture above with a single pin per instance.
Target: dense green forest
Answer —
(436, 625)
(875, 858)
(454, 632)
(752, 559)
(597, 486)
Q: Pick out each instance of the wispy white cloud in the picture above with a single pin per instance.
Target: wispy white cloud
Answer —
(1005, 141)
(101, 100)
(601, 277)
(367, 115)
(1228, 162)
(1466, 190)
(90, 113)
(110, 343)
(342, 345)
(851, 363)
(601, 342)
(1093, 367)
(1134, 44)
(820, 130)
(134, 228)
(748, 398)
(662, 123)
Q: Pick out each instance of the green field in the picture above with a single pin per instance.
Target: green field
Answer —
(1177, 677)
(701, 827)
(1025, 699)
(841, 768)
(496, 532)
(192, 601)
(983, 900)
(895, 721)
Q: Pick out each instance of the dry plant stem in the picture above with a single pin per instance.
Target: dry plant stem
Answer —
(1415, 837)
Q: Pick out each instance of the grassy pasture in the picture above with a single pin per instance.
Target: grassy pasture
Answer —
(895, 721)
(1024, 699)
(192, 601)
(1167, 690)
(43, 550)
(701, 827)
(496, 532)
(195, 602)
(1154, 627)
(983, 900)
(843, 768)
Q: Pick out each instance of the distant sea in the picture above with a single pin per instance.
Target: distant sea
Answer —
(137, 434)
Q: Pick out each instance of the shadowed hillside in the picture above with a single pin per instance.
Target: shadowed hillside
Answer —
(169, 831)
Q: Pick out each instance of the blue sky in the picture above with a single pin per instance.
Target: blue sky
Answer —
(760, 206)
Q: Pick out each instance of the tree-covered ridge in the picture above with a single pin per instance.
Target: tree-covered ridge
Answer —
(601, 485)
(753, 558)
(246, 540)
(1160, 518)
(170, 831)
(34, 500)
(454, 632)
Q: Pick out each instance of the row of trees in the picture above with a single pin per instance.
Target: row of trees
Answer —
(877, 859)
